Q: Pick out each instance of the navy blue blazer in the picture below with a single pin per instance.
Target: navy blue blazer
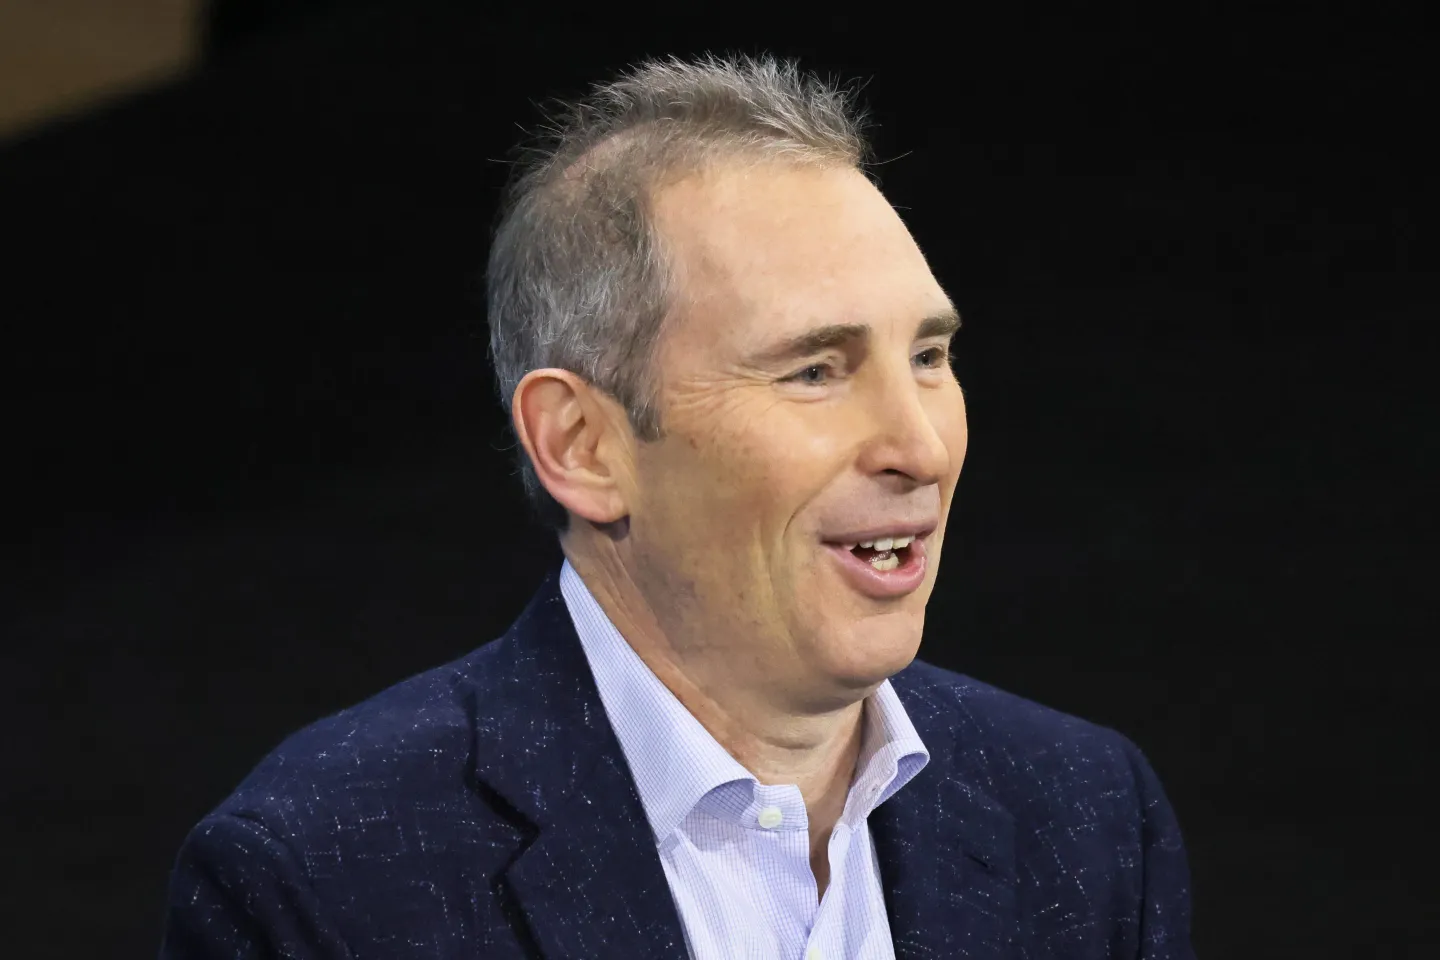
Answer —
(484, 809)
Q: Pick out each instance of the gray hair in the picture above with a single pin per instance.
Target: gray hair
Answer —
(577, 278)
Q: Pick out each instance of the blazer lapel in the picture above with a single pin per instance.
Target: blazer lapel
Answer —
(946, 850)
(590, 883)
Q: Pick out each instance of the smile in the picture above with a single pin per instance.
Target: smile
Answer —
(881, 574)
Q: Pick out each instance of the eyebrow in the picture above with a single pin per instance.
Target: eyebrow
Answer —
(833, 335)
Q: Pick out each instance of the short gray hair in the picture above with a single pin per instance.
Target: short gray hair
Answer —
(576, 277)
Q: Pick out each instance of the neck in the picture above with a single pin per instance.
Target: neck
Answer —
(780, 743)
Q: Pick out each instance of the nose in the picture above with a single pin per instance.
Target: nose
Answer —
(912, 429)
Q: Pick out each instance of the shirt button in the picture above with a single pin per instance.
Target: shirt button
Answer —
(771, 817)
(812, 954)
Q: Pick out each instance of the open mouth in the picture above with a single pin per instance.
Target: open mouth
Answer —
(882, 569)
(890, 559)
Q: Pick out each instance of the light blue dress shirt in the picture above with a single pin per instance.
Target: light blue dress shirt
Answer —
(736, 852)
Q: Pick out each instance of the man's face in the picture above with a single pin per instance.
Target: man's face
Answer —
(766, 461)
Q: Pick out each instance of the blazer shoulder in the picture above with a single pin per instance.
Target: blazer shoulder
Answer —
(1016, 744)
(411, 740)
(994, 711)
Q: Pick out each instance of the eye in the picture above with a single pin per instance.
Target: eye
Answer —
(941, 357)
(802, 375)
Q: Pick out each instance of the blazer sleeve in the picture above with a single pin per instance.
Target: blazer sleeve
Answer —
(237, 891)
(1165, 910)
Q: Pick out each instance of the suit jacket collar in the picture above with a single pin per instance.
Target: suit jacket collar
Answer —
(946, 848)
(591, 883)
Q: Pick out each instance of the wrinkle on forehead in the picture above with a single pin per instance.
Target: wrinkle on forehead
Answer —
(791, 252)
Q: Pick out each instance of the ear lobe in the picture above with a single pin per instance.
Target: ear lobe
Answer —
(561, 423)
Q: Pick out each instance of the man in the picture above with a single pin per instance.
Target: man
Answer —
(727, 363)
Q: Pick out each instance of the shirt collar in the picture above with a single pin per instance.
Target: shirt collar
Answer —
(676, 762)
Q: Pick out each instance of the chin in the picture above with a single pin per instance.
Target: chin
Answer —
(877, 648)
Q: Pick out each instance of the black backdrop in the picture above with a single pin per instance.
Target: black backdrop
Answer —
(257, 471)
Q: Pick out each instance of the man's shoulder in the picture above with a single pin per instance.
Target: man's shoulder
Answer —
(411, 741)
(371, 818)
(992, 713)
(1013, 743)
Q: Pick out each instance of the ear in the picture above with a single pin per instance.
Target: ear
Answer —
(577, 440)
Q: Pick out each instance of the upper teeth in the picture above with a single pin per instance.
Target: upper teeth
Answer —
(885, 543)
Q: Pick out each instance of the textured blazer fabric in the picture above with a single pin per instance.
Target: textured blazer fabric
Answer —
(484, 809)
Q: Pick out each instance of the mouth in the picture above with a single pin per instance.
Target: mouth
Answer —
(885, 573)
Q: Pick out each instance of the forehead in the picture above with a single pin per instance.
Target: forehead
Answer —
(766, 249)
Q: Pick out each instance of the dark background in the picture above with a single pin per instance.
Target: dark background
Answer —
(257, 471)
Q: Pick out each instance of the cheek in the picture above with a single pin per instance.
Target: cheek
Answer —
(759, 468)
(718, 479)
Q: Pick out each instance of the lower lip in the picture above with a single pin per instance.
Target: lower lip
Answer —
(883, 584)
